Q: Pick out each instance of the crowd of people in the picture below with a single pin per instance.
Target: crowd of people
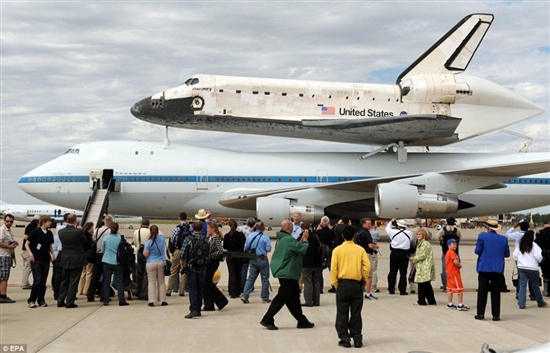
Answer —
(91, 262)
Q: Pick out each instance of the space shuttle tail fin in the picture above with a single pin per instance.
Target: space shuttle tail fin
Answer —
(453, 52)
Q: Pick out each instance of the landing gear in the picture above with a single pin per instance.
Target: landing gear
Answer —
(401, 151)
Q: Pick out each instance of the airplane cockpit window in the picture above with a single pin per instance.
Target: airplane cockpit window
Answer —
(191, 81)
(73, 151)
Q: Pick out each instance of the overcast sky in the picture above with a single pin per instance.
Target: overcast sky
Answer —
(71, 70)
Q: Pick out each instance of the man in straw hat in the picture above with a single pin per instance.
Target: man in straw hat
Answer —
(491, 248)
(203, 216)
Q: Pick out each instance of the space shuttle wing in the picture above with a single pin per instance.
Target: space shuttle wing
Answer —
(422, 129)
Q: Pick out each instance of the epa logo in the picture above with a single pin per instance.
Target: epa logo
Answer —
(14, 347)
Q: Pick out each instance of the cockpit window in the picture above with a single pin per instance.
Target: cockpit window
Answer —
(73, 151)
(191, 81)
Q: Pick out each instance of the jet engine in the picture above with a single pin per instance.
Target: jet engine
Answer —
(393, 200)
(272, 210)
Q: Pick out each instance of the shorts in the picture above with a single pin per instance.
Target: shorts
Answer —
(370, 260)
(454, 285)
(5, 267)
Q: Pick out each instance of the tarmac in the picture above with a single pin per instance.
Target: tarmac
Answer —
(390, 324)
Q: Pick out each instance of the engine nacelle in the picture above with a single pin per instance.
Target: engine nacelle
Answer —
(395, 200)
(272, 210)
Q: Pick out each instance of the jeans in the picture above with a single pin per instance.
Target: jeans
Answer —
(258, 267)
(195, 282)
(533, 277)
(108, 271)
(40, 270)
(244, 274)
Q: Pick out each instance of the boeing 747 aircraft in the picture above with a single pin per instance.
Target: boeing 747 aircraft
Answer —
(153, 180)
(429, 105)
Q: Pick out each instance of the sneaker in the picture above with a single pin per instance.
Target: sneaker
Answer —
(377, 291)
(462, 307)
(28, 286)
(42, 305)
(7, 300)
(31, 305)
(451, 306)
(267, 301)
(244, 300)
(543, 305)
(370, 297)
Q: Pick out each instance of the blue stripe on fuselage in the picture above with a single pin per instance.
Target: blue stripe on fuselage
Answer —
(234, 179)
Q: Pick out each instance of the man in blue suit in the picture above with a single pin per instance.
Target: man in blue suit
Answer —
(491, 248)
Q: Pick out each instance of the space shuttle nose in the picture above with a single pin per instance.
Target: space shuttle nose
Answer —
(135, 110)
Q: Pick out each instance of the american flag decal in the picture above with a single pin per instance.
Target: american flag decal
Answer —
(327, 110)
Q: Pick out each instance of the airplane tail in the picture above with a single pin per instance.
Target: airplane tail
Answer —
(453, 52)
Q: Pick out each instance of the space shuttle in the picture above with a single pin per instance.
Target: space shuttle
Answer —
(432, 102)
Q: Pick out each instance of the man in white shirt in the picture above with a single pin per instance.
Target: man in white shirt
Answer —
(400, 247)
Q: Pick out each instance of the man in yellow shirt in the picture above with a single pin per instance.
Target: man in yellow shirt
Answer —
(349, 271)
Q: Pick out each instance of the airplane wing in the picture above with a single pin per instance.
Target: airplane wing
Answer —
(455, 181)
(421, 129)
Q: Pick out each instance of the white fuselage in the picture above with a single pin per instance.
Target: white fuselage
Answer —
(162, 182)
(26, 212)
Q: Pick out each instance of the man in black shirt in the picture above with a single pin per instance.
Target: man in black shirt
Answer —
(40, 248)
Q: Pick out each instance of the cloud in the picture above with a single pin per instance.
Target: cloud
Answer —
(72, 70)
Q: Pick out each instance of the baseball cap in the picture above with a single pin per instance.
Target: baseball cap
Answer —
(450, 241)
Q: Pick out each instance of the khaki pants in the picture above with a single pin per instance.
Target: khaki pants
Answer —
(156, 286)
(175, 271)
(85, 278)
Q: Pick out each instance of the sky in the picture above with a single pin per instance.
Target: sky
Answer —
(71, 70)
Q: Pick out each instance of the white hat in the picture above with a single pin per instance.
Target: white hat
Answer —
(401, 223)
(202, 214)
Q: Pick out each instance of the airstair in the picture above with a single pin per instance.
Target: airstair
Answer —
(98, 203)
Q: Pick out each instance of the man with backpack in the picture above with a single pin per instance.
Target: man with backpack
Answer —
(140, 238)
(450, 231)
(194, 257)
(179, 234)
(364, 239)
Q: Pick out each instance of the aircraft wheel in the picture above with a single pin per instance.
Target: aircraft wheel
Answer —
(197, 103)
(130, 227)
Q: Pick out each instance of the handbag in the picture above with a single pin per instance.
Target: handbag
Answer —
(515, 276)
(167, 267)
(412, 274)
